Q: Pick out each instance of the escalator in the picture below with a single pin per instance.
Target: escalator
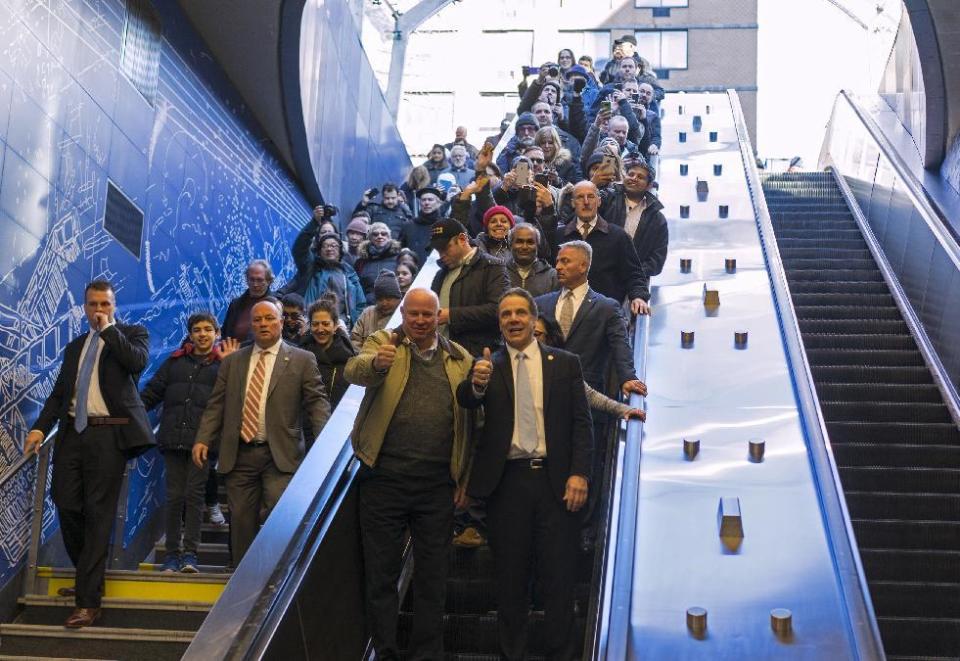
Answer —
(896, 446)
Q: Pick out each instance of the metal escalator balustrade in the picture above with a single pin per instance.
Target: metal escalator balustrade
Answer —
(894, 440)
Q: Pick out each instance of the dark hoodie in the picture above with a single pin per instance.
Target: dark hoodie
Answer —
(371, 260)
(416, 235)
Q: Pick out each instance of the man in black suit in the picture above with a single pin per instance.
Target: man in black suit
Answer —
(592, 324)
(102, 423)
(531, 464)
(616, 270)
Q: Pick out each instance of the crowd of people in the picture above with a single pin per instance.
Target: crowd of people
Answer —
(545, 253)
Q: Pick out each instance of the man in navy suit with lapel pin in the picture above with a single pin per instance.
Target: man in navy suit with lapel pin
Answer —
(102, 423)
(531, 464)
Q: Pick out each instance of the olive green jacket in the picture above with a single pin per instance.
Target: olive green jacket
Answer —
(383, 391)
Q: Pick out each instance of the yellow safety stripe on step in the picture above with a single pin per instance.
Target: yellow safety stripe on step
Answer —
(153, 590)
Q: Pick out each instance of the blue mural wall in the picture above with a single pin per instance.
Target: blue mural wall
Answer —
(213, 194)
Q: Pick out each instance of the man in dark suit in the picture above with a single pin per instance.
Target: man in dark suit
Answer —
(253, 418)
(592, 324)
(102, 423)
(616, 270)
(531, 464)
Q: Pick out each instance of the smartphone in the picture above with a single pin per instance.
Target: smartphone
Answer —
(523, 173)
(610, 162)
(605, 106)
(541, 179)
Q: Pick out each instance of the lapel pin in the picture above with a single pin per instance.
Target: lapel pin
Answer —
(549, 357)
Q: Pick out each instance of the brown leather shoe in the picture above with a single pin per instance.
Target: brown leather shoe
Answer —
(67, 592)
(82, 617)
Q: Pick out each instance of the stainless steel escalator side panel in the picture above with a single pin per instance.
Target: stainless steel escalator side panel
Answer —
(235, 620)
(725, 396)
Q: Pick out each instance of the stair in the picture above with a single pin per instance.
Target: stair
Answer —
(147, 615)
(470, 620)
(896, 446)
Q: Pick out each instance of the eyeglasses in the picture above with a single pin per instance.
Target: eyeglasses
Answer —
(380, 234)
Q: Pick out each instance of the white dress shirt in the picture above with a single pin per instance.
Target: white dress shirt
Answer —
(96, 405)
(270, 359)
(534, 365)
(634, 213)
(579, 294)
(588, 225)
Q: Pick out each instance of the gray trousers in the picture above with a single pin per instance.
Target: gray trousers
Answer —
(254, 482)
(186, 485)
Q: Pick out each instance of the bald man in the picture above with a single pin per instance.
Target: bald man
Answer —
(414, 467)
(615, 270)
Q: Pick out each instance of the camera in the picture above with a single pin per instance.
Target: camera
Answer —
(372, 192)
(329, 211)
(635, 97)
(553, 72)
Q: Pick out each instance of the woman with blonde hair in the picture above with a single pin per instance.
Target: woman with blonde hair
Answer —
(559, 163)
(418, 178)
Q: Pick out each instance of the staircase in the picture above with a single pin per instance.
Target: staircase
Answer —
(894, 441)
(147, 615)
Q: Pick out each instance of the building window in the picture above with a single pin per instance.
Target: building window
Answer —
(123, 220)
(665, 49)
(661, 3)
(140, 57)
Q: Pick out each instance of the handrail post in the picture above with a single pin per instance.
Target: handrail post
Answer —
(36, 524)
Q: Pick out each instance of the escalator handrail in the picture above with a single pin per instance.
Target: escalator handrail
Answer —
(620, 562)
(862, 623)
(248, 610)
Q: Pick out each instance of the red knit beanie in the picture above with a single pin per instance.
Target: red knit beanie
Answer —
(493, 211)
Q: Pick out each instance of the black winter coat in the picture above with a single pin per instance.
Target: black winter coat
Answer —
(331, 362)
(368, 267)
(416, 235)
(394, 218)
(652, 236)
(474, 297)
(182, 384)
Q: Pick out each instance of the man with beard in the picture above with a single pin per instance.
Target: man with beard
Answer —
(416, 235)
(236, 324)
(633, 207)
(524, 268)
(526, 129)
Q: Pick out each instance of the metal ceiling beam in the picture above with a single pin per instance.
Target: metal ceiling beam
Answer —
(404, 25)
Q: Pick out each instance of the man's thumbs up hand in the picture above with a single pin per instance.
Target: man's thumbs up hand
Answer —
(482, 370)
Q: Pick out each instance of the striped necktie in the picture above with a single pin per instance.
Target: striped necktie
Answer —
(566, 314)
(251, 404)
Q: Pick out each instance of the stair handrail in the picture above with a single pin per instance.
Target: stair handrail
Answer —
(862, 622)
(42, 461)
(617, 594)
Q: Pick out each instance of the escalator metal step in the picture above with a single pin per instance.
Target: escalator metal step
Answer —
(915, 599)
(904, 506)
(836, 312)
(919, 565)
(828, 267)
(825, 240)
(903, 480)
(901, 534)
(870, 374)
(854, 326)
(873, 358)
(895, 454)
(795, 252)
(478, 633)
(827, 299)
(806, 229)
(848, 274)
(894, 432)
(864, 341)
(916, 412)
(920, 637)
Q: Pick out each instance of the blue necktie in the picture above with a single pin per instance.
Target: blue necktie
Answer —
(83, 382)
(526, 414)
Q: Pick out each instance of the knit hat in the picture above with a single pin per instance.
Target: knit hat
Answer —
(493, 211)
(431, 189)
(595, 159)
(555, 85)
(576, 70)
(628, 39)
(357, 225)
(330, 235)
(527, 119)
(386, 285)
